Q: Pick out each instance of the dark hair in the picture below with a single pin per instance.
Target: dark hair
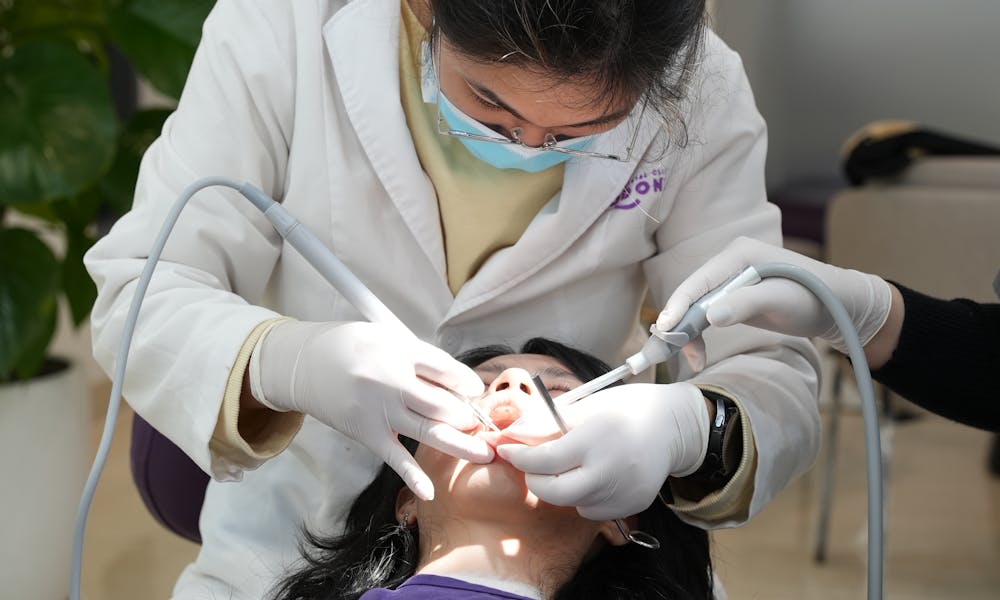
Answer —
(632, 49)
(375, 551)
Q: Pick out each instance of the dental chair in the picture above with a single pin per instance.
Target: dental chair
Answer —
(171, 485)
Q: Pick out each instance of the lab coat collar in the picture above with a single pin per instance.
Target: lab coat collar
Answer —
(363, 42)
(591, 187)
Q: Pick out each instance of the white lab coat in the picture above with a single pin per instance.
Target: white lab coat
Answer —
(302, 99)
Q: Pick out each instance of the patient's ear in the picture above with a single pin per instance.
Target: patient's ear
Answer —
(609, 530)
(406, 507)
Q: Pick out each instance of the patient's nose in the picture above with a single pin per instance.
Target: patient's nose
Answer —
(515, 380)
(515, 387)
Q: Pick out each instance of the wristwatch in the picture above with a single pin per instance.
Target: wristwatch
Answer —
(722, 456)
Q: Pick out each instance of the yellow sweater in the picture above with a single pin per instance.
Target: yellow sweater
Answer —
(483, 209)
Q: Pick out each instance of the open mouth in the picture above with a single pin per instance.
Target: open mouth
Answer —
(504, 413)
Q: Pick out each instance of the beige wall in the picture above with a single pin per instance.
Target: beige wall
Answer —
(823, 68)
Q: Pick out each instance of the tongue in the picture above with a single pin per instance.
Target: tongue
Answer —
(504, 415)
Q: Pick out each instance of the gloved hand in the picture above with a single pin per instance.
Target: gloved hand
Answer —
(623, 443)
(370, 382)
(779, 304)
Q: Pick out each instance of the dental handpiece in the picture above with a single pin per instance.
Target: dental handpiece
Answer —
(662, 345)
(334, 271)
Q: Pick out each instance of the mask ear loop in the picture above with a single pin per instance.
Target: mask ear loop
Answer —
(651, 217)
(640, 538)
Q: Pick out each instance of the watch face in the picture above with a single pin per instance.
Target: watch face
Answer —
(720, 412)
(732, 444)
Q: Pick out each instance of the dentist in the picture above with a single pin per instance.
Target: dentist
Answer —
(493, 170)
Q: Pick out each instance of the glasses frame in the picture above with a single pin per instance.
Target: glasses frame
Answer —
(549, 143)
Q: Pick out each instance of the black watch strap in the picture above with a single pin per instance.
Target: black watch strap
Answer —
(720, 459)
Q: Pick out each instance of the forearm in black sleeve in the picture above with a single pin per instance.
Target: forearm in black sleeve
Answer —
(948, 358)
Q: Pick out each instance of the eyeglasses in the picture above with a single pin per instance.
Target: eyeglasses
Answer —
(549, 142)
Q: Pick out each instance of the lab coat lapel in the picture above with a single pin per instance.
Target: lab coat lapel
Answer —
(363, 42)
(590, 188)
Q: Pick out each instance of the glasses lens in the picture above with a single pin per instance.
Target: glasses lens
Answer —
(452, 122)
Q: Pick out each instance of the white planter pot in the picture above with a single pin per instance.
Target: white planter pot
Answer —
(44, 457)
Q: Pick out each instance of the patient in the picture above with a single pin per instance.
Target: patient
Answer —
(485, 535)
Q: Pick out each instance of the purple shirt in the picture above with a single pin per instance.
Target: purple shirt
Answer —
(433, 587)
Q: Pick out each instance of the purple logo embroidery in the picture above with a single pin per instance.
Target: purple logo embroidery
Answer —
(638, 187)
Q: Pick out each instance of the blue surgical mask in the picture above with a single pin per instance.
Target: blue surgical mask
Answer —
(499, 155)
(504, 155)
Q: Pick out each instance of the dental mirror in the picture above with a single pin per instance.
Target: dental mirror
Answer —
(640, 538)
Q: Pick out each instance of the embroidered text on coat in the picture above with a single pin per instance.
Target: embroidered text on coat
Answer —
(638, 187)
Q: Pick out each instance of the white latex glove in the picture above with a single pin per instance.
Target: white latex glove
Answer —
(623, 443)
(370, 382)
(779, 304)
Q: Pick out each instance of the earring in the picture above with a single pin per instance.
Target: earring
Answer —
(405, 521)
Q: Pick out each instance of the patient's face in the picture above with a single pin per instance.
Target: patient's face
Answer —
(510, 392)
(498, 490)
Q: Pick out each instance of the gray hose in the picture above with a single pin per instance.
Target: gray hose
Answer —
(117, 382)
(320, 257)
(873, 448)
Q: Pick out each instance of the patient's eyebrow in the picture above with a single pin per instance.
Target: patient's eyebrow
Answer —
(490, 368)
(557, 373)
(497, 367)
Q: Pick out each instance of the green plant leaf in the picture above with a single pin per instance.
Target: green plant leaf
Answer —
(118, 186)
(38, 209)
(81, 22)
(58, 123)
(77, 212)
(159, 37)
(29, 287)
(76, 282)
(37, 346)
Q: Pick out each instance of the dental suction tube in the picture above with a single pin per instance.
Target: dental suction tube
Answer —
(321, 259)
(299, 237)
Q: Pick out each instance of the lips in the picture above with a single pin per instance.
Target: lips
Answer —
(503, 409)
